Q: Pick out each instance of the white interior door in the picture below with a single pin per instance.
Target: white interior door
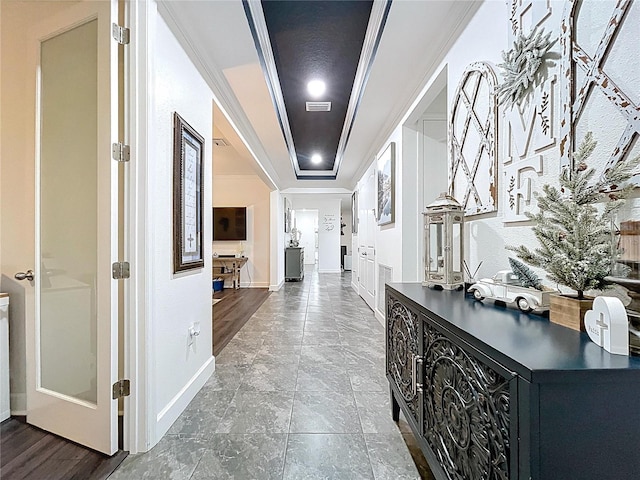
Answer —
(366, 239)
(72, 324)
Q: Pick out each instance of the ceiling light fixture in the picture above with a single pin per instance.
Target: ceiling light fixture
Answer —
(315, 158)
(316, 88)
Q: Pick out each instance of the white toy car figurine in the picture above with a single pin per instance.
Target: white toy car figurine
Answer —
(505, 287)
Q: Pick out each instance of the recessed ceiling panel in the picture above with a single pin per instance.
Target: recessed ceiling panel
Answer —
(316, 40)
(316, 45)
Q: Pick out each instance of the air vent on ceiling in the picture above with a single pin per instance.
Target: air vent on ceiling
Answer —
(318, 106)
(220, 142)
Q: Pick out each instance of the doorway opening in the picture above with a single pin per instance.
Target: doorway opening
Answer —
(306, 222)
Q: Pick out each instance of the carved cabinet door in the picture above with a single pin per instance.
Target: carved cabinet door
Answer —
(469, 409)
(403, 357)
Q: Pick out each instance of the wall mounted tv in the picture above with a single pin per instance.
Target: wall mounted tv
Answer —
(229, 223)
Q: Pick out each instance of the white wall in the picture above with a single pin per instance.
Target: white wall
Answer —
(277, 241)
(389, 243)
(178, 300)
(328, 207)
(247, 191)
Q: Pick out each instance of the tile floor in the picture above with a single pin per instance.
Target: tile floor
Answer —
(299, 393)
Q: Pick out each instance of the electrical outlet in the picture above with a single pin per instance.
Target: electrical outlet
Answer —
(194, 331)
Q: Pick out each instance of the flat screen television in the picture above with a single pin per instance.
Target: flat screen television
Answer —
(229, 223)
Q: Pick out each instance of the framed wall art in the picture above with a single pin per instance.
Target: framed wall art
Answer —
(386, 166)
(188, 150)
(354, 212)
(287, 216)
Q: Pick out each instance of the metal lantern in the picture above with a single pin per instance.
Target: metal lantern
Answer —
(443, 238)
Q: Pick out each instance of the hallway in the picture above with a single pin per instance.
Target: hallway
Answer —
(299, 393)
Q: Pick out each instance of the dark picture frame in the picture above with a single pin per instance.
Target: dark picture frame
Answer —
(354, 212)
(386, 181)
(188, 196)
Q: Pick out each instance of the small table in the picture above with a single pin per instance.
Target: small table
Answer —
(229, 267)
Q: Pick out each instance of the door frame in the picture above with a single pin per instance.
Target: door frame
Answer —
(138, 422)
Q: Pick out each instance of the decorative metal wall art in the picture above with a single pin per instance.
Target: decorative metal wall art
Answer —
(473, 141)
(466, 411)
(596, 72)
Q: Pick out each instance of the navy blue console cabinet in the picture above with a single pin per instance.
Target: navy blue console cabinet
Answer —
(493, 393)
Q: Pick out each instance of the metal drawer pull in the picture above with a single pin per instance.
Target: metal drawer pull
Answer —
(415, 386)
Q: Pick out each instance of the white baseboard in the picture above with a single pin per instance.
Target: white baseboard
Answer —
(355, 288)
(275, 288)
(177, 405)
(379, 316)
(330, 271)
(18, 403)
(255, 285)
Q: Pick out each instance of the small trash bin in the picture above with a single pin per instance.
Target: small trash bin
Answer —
(218, 285)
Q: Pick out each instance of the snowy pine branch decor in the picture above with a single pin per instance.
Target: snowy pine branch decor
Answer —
(521, 65)
(574, 234)
(527, 277)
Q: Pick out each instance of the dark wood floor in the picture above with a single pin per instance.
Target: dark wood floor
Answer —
(26, 452)
(233, 311)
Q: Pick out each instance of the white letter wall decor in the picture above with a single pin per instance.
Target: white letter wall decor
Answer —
(530, 127)
(527, 13)
(519, 178)
(607, 325)
(529, 131)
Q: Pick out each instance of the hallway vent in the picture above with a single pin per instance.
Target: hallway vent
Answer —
(385, 275)
(318, 106)
(220, 142)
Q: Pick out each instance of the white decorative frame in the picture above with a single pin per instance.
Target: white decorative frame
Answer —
(575, 97)
(474, 181)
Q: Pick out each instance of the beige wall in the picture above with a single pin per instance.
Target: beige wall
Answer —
(247, 191)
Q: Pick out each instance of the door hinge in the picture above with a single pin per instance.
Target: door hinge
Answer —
(120, 270)
(120, 34)
(122, 388)
(120, 152)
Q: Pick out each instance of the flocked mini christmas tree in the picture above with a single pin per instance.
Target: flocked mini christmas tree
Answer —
(527, 277)
(573, 224)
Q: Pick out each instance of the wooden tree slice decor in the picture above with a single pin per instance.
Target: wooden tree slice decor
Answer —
(473, 141)
(587, 77)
